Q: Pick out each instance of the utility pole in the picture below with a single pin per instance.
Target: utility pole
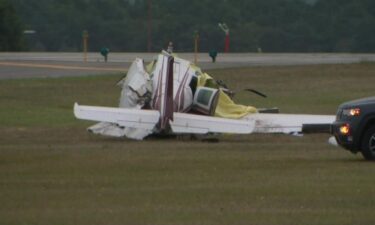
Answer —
(196, 45)
(85, 38)
(149, 26)
(225, 28)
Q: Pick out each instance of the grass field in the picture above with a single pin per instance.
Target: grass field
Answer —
(53, 172)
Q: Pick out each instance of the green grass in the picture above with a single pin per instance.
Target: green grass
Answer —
(49, 102)
(53, 172)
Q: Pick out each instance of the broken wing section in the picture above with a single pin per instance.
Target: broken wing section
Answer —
(108, 129)
(189, 123)
(286, 123)
(132, 118)
(136, 93)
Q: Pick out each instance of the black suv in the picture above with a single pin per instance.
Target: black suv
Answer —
(354, 128)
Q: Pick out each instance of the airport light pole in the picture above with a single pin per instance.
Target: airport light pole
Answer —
(225, 28)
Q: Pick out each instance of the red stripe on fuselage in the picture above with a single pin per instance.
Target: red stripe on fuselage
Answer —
(166, 113)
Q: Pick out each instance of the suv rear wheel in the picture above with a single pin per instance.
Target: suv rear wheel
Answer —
(368, 144)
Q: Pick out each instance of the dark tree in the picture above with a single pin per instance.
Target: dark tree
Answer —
(11, 30)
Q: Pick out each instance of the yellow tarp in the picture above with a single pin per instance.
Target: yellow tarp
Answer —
(226, 107)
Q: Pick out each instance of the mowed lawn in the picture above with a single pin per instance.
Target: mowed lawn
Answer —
(53, 172)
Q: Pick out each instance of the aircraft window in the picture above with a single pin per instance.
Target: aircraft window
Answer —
(193, 84)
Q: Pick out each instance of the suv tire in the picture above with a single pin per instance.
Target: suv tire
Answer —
(368, 144)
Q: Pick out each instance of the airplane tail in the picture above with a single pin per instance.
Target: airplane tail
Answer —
(162, 99)
(166, 112)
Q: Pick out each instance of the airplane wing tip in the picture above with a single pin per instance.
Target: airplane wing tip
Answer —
(75, 109)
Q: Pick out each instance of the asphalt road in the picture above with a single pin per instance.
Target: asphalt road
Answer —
(24, 65)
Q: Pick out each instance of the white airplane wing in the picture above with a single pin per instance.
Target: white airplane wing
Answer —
(134, 118)
(190, 123)
(286, 123)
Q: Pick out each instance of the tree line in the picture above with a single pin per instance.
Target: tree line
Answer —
(255, 25)
(11, 37)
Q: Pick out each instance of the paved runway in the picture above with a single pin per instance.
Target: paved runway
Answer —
(24, 65)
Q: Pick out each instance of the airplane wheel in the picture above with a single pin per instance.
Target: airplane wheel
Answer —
(368, 144)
